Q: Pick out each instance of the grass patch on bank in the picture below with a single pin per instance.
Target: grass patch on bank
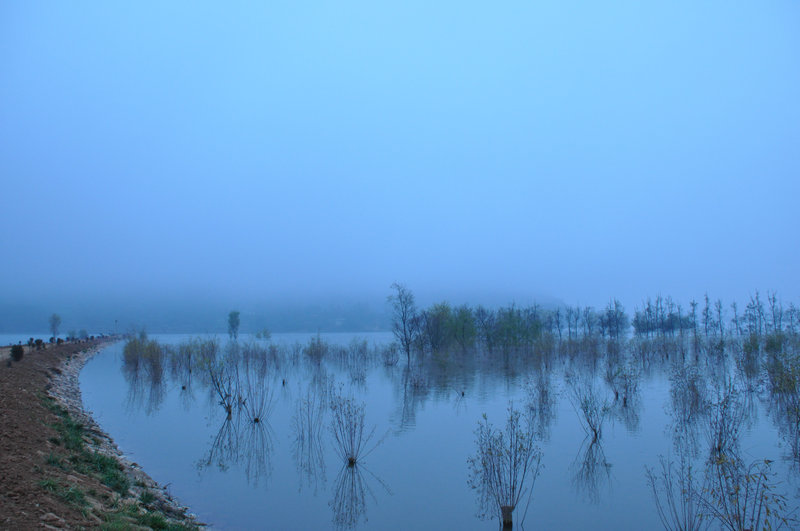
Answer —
(82, 459)
(131, 515)
(72, 495)
(74, 439)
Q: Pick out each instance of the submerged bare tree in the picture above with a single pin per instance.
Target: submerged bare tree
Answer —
(222, 376)
(676, 495)
(725, 422)
(591, 408)
(505, 466)
(743, 496)
(689, 405)
(404, 312)
(352, 441)
(256, 399)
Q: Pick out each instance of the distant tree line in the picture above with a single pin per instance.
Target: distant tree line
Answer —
(663, 316)
(443, 326)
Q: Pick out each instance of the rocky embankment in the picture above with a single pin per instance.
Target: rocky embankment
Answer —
(58, 469)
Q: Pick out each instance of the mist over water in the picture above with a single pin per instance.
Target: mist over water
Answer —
(555, 183)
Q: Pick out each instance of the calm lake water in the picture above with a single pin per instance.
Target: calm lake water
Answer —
(236, 474)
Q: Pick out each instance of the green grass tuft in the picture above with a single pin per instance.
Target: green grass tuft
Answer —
(147, 497)
(72, 495)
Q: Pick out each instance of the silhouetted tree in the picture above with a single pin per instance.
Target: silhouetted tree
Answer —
(720, 324)
(735, 319)
(463, 326)
(693, 317)
(708, 321)
(233, 325)
(404, 312)
(436, 326)
(484, 321)
(617, 322)
(17, 352)
(55, 322)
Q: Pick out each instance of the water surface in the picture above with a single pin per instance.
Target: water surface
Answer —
(235, 474)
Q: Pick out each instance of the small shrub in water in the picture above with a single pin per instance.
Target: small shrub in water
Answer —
(505, 466)
(744, 497)
(675, 491)
(348, 428)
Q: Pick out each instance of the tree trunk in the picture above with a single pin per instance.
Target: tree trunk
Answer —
(505, 513)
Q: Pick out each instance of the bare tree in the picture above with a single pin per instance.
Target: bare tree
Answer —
(707, 319)
(675, 491)
(735, 319)
(404, 311)
(720, 322)
(693, 317)
(776, 310)
(557, 321)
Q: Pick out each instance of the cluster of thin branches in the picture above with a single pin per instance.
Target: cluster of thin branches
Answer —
(743, 496)
(734, 495)
(223, 379)
(623, 381)
(505, 467)
(307, 424)
(726, 416)
(350, 435)
(676, 495)
(256, 397)
(592, 409)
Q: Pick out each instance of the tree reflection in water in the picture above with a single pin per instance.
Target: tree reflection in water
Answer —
(144, 371)
(726, 416)
(307, 449)
(353, 442)
(716, 391)
(591, 470)
(413, 391)
(689, 406)
(240, 442)
(351, 487)
(541, 403)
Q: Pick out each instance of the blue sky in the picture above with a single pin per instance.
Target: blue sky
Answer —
(473, 150)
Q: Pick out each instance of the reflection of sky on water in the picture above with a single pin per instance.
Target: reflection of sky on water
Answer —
(274, 475)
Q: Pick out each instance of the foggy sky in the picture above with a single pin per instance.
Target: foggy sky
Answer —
(475, 151)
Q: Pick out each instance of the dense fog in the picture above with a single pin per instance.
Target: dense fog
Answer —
(163, 164)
